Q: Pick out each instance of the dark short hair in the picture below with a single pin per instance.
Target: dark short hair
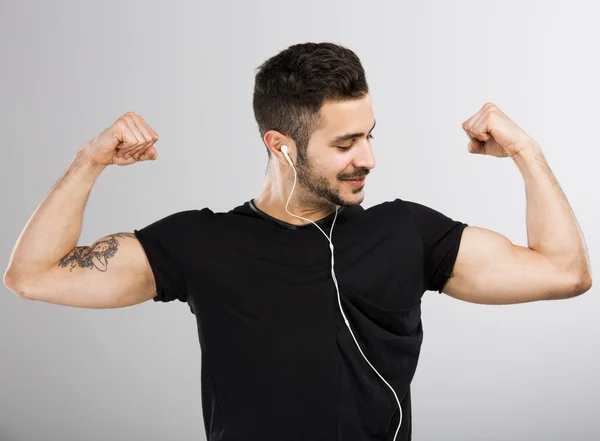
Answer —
(291, 87)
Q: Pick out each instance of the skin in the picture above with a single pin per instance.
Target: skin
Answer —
(319, 186)
(94, 256)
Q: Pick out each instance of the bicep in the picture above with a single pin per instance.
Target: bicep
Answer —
(490, 269)
(113, 272)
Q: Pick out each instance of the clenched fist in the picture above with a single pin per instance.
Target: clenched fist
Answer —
(129, 139)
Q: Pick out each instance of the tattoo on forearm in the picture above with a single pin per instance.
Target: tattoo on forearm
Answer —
(95, 255)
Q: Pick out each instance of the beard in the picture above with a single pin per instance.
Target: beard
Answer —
(316, 185)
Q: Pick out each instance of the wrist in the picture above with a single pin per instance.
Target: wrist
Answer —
(528, 158)
(83, 158)
(527, 151)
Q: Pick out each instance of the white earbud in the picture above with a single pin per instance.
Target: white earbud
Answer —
(284, 150)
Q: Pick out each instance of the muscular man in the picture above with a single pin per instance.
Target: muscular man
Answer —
(305, 334)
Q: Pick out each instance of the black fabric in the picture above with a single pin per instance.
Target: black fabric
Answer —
(278, 362)
(439, 234)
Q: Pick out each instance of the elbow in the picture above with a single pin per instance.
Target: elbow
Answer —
(585, 284)
(582, 284)
(12, 283)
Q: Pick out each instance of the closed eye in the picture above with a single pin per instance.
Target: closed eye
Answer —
(342, 148)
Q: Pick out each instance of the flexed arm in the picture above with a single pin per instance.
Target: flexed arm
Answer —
(489, 268)
(46, 263)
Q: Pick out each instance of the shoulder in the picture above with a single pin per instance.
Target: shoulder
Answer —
(178, 222)
(428, 220)
(395, 207)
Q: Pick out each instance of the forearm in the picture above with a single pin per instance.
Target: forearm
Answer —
(552, 228)
(54, 228)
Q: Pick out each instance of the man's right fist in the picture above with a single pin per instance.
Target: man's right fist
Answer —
(129, 139)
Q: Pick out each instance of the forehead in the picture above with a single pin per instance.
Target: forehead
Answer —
(340, 117)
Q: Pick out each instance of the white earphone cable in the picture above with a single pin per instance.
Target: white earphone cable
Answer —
(336, 284)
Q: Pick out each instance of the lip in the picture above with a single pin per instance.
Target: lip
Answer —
(356, 182)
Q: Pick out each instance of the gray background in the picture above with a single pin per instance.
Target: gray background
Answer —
(69, 69)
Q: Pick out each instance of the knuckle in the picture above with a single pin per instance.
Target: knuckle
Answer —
(121, 126)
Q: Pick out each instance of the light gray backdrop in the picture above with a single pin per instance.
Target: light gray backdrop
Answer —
(69, 69)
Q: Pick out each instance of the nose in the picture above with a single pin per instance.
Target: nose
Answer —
(365, 157)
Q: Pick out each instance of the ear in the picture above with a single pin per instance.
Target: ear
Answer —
(275, 141)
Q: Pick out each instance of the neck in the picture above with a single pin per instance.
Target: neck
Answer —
(274, 196)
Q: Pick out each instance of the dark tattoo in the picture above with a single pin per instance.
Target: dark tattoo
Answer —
(95, 255)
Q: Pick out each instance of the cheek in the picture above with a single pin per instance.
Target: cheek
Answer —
(331, 166)
(331, 172)
(326, 166)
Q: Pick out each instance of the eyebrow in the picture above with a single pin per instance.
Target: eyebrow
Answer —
(351, 135)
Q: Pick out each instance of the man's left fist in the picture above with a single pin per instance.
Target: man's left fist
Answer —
(493, 133)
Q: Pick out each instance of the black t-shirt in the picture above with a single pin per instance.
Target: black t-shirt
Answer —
(278, 362)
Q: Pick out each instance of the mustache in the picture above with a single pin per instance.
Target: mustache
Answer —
(365, 173)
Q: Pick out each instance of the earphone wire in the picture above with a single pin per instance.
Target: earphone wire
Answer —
(337, 288)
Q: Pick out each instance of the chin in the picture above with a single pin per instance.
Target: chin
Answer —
(356, 197)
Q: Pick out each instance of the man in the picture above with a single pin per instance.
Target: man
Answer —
(300, 339)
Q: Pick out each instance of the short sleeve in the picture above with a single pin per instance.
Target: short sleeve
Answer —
(165, 243)
(441, 237)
